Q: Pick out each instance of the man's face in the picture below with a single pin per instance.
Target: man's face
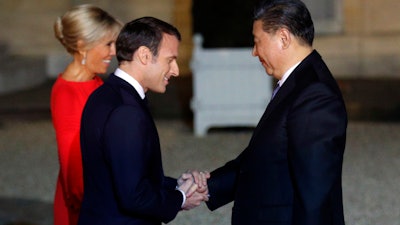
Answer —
(267, 47)
(164, 65)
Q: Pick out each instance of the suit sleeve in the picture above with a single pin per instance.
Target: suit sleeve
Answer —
(317, 133)
(222, 183)
(127, 148)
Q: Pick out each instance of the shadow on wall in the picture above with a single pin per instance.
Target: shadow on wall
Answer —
(372, 99)
(20, 72)
(15, 211)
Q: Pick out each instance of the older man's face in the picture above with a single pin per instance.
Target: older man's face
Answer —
(267, 47)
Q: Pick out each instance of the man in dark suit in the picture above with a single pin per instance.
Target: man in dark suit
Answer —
(124, 182)
(290, 172)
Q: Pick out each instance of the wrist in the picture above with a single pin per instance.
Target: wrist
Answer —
(183, 195)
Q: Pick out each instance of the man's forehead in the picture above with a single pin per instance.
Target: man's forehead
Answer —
(169, 44)
(257, 27)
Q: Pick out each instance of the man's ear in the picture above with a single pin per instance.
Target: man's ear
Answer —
(144, 55)
(285, 37)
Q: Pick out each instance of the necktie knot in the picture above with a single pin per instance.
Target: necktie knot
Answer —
(275, 91)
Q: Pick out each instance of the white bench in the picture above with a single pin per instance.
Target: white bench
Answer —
(230, 88)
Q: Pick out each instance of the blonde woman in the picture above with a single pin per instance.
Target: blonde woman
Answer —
(88, 33)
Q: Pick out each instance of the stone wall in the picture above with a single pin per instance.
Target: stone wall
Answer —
(367, 47)
(27, 26)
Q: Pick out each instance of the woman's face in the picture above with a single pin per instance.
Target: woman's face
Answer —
(99, 57)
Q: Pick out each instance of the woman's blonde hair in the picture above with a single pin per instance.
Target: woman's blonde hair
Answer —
(86, 23)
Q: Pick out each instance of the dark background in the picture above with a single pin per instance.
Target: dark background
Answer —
(224, 23)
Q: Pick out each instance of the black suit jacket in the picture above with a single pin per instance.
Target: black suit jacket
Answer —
(124, 182)
(290, 172)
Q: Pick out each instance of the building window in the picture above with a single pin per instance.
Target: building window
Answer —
(326, 14)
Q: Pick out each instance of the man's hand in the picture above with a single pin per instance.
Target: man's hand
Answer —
(194, 184)
(196, 180)
(195, 200)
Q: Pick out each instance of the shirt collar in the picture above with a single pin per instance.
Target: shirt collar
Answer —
(287, 73)
(128, 78)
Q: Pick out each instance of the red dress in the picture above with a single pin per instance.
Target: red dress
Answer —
(67, 101)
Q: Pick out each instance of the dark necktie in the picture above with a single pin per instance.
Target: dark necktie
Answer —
(276, 89)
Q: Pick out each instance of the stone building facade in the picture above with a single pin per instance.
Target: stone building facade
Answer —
(366, 47)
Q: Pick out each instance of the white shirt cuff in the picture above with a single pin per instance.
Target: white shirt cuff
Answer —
(183, 195)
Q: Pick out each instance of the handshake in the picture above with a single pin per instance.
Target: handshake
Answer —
(194, 185)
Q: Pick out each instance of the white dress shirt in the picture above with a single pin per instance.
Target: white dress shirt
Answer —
(132, 81)
(287, 74)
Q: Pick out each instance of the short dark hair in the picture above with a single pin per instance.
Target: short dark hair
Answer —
(145, 31)
(290, 14)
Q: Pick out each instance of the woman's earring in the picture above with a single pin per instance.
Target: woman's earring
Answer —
(83, 62)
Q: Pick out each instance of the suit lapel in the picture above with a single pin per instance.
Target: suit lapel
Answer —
(283, 93)
(280, 96)
(128, 93)
(301, 76)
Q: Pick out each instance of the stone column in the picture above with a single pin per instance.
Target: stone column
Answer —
(182, 19)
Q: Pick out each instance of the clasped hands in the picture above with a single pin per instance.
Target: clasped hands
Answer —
(194, 185)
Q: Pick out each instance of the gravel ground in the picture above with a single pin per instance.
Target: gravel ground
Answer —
(28, 169)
